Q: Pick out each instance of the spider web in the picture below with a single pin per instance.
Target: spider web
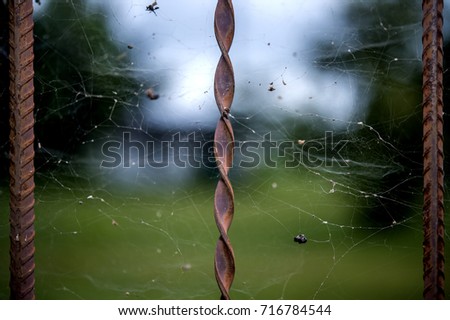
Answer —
(334, 88)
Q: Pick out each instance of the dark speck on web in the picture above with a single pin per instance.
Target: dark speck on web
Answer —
(300, 238)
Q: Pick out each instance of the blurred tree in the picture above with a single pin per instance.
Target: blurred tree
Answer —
(75, 75)
(383, 58)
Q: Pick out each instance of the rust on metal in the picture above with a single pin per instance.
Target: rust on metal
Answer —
(223, 147)
(21, 137)
(433, 154)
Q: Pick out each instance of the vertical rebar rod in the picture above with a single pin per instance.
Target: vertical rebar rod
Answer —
(21, 137)
(433, 152)
(223, 147)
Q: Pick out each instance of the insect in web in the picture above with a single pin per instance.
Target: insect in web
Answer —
(152, 7)
(300, 238)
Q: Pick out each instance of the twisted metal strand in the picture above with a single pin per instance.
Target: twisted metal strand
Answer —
(433, 154)
(223, 147)
(21, 149)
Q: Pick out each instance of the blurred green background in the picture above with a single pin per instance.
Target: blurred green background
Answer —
(352, 69)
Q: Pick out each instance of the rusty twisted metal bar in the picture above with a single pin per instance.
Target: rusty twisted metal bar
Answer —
(433, 153)
(223, 147)
(21, 149)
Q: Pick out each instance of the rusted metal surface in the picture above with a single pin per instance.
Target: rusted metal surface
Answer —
(21, 149)
(223, 147)
(433, 154)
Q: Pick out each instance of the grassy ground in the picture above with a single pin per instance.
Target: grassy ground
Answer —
(107, 242)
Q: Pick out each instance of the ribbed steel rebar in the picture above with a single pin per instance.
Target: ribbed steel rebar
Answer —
(433, 154)
(21, 149)
(223, 147)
